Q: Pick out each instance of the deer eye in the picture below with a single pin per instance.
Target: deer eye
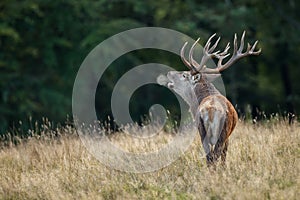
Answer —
(184, 75)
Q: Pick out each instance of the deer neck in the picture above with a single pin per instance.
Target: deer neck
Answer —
(204, 90)
(201, 91)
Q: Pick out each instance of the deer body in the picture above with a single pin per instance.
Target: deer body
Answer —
(215, 116)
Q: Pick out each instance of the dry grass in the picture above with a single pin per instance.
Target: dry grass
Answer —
(262, 163)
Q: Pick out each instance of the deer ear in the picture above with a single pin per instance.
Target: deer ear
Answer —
(196, 78)
(211, 77)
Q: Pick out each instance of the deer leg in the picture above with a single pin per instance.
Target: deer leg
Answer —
(210, 157)
(208, 152)
(221, 146)
(224, 152)
(205, 143)
(205, 139)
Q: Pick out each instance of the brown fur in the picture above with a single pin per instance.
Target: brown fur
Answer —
(210, 113)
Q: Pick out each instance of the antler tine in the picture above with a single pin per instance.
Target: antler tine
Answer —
(207, 45)
(235, 46)
(225, 50)
(221, 56)
(188, 64)
(191, 59)
(242, 43)
(214, 46)
(253, 48)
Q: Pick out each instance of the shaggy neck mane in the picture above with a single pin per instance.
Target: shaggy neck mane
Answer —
(202, 90)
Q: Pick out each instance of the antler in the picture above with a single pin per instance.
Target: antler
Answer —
(236, 55)
(209, 54)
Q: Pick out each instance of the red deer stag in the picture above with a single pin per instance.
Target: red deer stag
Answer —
(214, 114)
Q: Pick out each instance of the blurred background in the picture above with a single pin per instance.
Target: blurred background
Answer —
(43, 43)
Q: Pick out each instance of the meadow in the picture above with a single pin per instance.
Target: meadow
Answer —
(263, 162)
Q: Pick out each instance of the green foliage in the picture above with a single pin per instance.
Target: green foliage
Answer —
(42, 44)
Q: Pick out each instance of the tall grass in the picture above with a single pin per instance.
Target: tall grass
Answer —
(263, 162)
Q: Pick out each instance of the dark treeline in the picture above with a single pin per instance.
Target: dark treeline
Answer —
(43, 43)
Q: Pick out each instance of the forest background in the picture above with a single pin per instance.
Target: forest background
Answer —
(43, 43)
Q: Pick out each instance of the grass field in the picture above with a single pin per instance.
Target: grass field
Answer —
(263, 163)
